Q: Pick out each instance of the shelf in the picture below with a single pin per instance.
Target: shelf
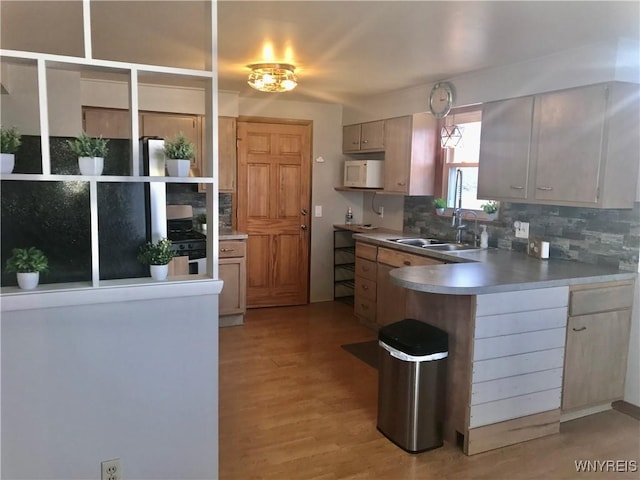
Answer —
(348, 299)
(347, 266)
(347, 283)
(349, 249)
(38, 177)
(357, 189)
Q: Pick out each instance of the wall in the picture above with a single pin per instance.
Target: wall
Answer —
(327, 143)
(132, 380)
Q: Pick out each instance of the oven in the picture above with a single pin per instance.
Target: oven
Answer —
(186, 241)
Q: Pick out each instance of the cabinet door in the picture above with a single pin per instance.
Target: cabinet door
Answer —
(505, 148)
(391, 304)
(372, 136)
(233, 296)
(167, 125)
(397, 156)
(595, 358)
(568, 132)
(351, 138)
(106, 122)
(227, 154)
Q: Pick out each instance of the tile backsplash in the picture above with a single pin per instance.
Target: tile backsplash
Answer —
(589, 235)
(187, 194)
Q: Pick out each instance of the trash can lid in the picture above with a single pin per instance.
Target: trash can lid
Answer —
(414, 337)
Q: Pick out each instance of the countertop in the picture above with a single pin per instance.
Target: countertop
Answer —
(481, 271)
(229, 234)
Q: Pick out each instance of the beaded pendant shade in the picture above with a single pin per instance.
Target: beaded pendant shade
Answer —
(272, 77)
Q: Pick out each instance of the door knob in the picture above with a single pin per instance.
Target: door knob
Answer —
(304, 211)
(303, 226)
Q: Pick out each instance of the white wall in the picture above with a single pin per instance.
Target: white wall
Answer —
(327, 143)
(131, 380)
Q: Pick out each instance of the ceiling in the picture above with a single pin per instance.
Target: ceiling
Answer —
(340, 49)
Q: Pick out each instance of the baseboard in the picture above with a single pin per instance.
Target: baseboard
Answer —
(231, 320)
(574, 414)
(627, 408)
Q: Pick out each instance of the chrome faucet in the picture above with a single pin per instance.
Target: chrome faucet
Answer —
(458, 213)
(456, 218)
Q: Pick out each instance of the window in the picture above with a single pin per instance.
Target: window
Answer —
(465, 157)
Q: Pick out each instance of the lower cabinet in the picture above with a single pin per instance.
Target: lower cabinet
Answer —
(365, 287)
(596, 345)
(232, 270)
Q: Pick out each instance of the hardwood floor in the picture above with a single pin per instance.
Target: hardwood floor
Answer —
(295, 405)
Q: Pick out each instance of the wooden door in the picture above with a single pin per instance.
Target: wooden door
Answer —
(274, 170)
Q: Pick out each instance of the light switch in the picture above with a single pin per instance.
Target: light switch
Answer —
(318, 211)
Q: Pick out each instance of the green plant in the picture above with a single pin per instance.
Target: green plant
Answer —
(490, 207)
(86, 146)
(179, 148)
(27, 260)
(202, 218)
(440, 203)
(9, 140)
(159, 253)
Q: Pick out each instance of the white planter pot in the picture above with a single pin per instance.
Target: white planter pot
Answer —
(7, 161)
(28, 281)
(178, 168)
(440, 211)
(91, 165)
(492, 216)
(203, 226)
(159, 272)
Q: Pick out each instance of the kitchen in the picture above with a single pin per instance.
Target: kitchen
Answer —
(329, 118)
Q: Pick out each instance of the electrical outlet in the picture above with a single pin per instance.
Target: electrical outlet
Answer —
(521, 229)
(381, 212)
(112, 469)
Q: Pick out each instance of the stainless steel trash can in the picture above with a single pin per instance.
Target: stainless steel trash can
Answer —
(411, 384)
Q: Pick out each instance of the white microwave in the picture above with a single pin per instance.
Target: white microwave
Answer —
(364, 173)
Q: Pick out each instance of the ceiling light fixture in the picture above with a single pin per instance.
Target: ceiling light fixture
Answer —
(450, 136)
(272, 77)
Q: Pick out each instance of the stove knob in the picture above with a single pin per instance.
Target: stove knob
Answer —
(181, 247)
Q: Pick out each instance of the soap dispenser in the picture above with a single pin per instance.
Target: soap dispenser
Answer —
(484, 237)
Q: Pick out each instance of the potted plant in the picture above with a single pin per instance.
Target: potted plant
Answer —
(491, 209)
(157, 256)
(179, 153)
(91, 152)
(10, 140)
(440, 204)
(202, 220)
(27, 263)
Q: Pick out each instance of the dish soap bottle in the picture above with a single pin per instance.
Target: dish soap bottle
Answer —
(484, 237)
(348, 218)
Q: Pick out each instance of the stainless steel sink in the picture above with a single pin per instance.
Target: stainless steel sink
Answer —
(451, 247)
(417, 242)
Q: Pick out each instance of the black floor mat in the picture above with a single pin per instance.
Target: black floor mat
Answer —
(365, 351)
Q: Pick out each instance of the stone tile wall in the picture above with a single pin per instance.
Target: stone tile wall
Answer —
(589, 235)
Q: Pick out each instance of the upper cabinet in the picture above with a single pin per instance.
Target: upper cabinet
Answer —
(504, 149)
(363, 137)
(576, 147)
(168, 125)
(410, 153)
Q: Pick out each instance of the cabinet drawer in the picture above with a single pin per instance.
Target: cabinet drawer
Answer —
(365, 309)
(600, 298)
(364, 250)
(396, 258)
(366, 268)
(366, 288)
(231, 248)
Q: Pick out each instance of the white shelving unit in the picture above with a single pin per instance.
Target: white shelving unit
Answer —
(45, 63)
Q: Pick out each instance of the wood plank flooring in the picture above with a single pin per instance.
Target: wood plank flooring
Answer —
(295, 405)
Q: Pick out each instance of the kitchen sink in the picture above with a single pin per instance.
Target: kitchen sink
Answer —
(417, 242)
(451, 247)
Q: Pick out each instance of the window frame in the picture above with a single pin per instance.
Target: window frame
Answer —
(442, 170)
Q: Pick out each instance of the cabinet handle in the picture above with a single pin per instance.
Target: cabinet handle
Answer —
(402, 184)
(579, 329)
(227, 249)
(407, 262)
(517, 187)
(365, 141)
(546, 189)
(364, 307)
(365, 287)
